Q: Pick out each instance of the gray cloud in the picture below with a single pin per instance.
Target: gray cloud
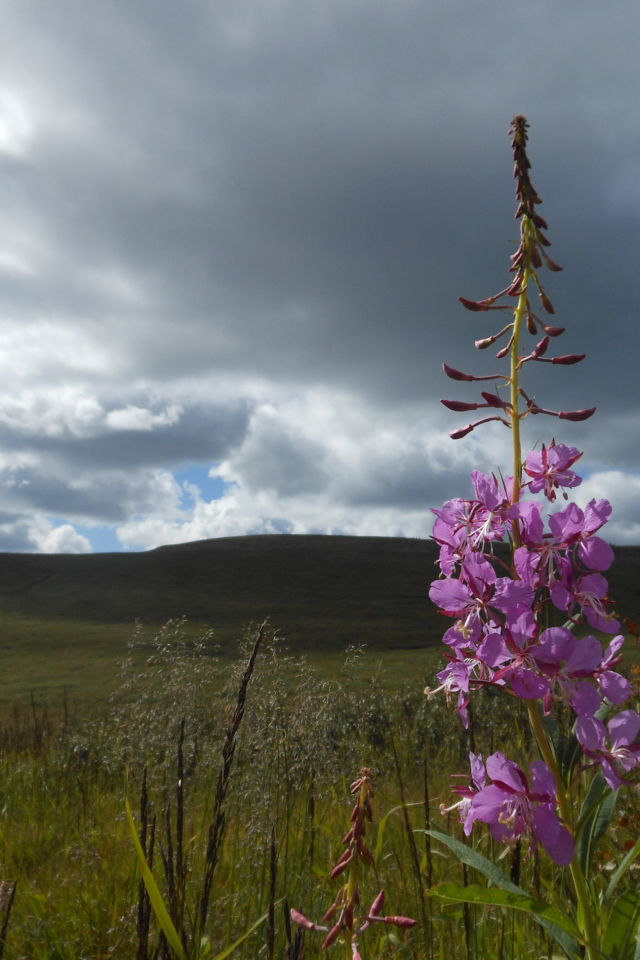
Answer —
(222, 205)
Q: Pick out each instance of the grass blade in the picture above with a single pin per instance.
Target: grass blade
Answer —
(159, 908)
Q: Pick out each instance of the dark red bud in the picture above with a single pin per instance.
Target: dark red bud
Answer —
(365, 854)
(332, 935)
(546, 303)
(540, 349)
(459, 405)
(459, 434)
(505, 350)
(301, 921)
(377, 905)
(552, 331)
(348, 836)
(552, 264)
(495, 401)
(569, 359)
(401, 921)
(342, 866)
(539, 221)
(474, 305)
(348, 916)
(456, 374)
(483, 344)
(531, 325)
(577, 415)
(542, 239)
(536, 259)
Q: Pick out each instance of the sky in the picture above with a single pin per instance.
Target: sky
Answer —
(232, 238)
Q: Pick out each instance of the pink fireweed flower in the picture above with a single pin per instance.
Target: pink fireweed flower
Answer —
(565, 663)
(588, 592)
(550, 469)
(513, 809)
(624, 753)
(613, 686)
(479, 592)
(477, 782)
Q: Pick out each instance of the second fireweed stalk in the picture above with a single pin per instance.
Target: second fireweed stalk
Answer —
(343, 913)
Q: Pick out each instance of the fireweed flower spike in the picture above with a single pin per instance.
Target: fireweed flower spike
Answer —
(343, 914)
(503, 610)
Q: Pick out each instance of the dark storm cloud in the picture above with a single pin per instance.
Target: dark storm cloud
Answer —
(199, 435)
(263, 191)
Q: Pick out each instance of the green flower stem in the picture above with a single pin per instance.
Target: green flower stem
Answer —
(585, 907)
(585, 910)
(518, 317)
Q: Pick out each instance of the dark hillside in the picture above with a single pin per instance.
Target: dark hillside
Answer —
(320, 591)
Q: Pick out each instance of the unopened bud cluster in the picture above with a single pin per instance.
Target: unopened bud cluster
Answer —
(344, 911)
(526, 262)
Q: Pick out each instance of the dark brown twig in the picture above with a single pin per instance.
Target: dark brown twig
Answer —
(218, 822)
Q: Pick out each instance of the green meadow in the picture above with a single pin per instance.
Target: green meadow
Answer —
(95, 709)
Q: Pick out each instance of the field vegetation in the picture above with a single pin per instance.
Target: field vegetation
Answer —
(306, 732)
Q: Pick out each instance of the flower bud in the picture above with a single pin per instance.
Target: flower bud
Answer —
(474, 305)
(577, 415)
(546, 303)
(540, 349)
(552, 264)
(301, 920)
(401, 921)
(495, 401)
(569, 359)
(455, 374)
(552, 331)
(459, 434)
(459, 406)
(377, 905)
(342, 865)
(332, 935)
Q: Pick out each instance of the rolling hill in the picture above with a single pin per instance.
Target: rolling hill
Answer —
(321, 592)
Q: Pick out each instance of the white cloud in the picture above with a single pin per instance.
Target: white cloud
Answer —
(64, 539)
(623, 492)
(139, 418)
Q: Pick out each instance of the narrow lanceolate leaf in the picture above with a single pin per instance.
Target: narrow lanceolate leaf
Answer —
(382, 827)
(159, 908)
(595, 818)
(493, 873)
(456, 893)
(620, 871)
(619, 940)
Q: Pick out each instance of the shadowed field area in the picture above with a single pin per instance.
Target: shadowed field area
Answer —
(67, 619)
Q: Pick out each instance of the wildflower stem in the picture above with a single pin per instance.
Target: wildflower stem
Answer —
(585, 909)
(519, 315)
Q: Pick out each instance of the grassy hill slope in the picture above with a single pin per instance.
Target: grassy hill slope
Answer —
(318, 590)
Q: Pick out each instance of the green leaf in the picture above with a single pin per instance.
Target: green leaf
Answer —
(596, 815)
(621, 870)
(474, 859)
(228, 950)
(571, 755)
(552, 730)
(155, 896)
(620, 936)
(456, 893)
(382, 826)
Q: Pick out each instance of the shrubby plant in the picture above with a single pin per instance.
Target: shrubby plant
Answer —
(506, 635)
